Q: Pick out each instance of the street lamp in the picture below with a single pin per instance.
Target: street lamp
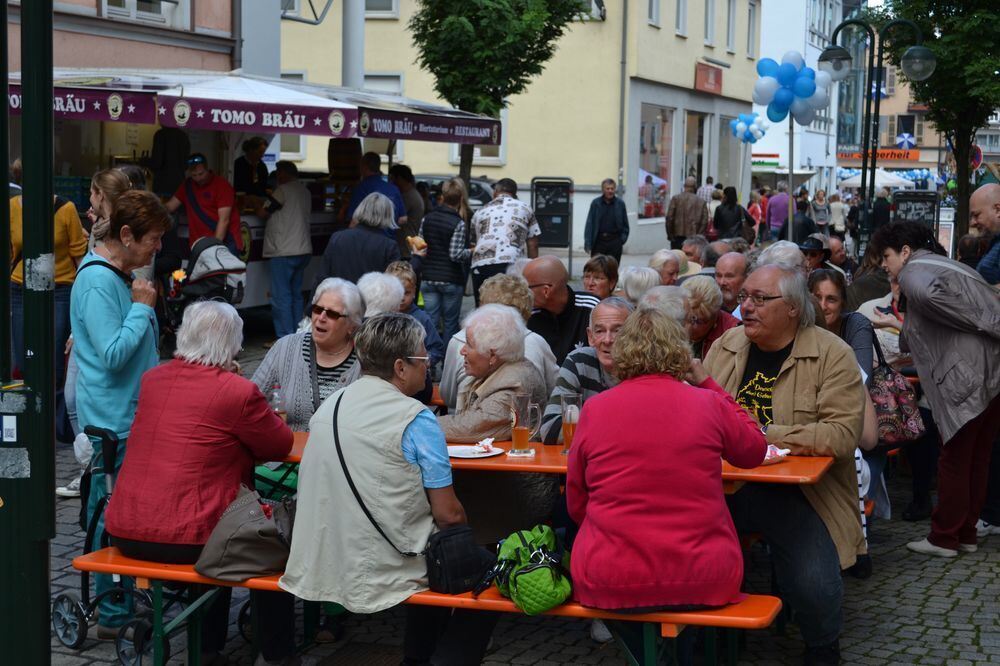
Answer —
(917, 63)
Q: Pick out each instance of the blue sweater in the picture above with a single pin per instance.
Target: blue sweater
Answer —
(114, 342)
(989, 265)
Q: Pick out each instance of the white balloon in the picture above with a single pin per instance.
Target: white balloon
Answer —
(765, 124)
(798, 106)
(805, 117)
(823, 79)
(819, 99)
(764, 88)
(741, 127)
(793, 57)
(757, 132)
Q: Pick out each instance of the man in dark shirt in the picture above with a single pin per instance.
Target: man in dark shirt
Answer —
(802, 225)
(561, 316)
(371, 181)
(607, 223)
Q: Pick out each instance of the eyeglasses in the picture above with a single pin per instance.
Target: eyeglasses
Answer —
(195, 159)
(758, 299)
(425, 359)
(330, 314)
(540, 284)
(696, 321)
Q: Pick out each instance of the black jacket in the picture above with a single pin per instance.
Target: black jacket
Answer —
(438, 227)
(728, 221)
(353, 252)
(565, 331)
(592, 228)
(802, 227)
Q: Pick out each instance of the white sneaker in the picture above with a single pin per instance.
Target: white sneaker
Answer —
(967, 547)
(71, 489)
(984, 529)
(599, 632)
(925, 547)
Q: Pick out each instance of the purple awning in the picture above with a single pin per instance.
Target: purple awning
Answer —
(94, 104)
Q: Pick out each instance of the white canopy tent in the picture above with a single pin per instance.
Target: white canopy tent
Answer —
(882, 179)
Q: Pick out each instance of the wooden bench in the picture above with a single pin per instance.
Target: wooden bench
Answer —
(752, 612)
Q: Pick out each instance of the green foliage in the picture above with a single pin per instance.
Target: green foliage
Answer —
(483, 51)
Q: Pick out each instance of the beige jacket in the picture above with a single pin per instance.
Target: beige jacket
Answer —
(498, 503)
(687, 215)
(818, 407)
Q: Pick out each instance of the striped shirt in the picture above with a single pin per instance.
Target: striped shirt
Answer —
(328, 379)
(581, 373)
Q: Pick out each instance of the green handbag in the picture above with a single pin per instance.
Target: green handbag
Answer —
(530, 573)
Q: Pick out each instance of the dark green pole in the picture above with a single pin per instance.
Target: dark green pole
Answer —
(27, 445)
(4, 210)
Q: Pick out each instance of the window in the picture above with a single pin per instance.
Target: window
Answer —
(822, 121)
(488, 154)
(293, 146)
(382, 9)
(731, 26)
(167, 13)
(890, 80)
(918, 134)
(387, 83)
(655, 156)
(752, 30)
(681, 18)
(710, 22)
(654, 12)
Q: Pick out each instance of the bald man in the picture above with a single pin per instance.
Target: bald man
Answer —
(687, 214)
(561, 315)
(730, 274)
(984, 216)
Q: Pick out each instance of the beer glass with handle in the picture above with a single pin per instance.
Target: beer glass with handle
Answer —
(521, 430)
(570, 417)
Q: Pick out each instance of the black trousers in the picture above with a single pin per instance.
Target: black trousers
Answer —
(991, 510)
(922, 455)
(482, 273)
(277, 609)
(443, 637)
(609, 244)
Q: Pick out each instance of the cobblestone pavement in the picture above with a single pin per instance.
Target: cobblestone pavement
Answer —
(913, 610)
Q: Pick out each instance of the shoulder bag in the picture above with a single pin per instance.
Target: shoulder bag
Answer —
(455, 562)
(895, 403)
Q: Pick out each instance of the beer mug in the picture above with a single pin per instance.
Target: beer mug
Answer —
(570, 417)
(521, 430)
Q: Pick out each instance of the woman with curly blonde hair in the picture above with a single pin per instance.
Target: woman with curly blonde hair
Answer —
(657, 476)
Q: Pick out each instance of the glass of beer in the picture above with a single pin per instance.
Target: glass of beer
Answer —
(522, 431)
(570, 417)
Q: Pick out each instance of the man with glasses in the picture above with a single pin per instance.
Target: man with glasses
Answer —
(208, 201)
(803, 386)
(561, 315)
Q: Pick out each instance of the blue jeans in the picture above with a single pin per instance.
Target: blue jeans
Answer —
(113, 614)
(286, 292)
(805, 558)
(443, 301)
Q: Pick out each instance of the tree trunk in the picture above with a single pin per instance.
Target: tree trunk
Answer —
(465, 163)
(963, 150)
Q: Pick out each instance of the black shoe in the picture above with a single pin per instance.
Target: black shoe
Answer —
(862, 568)
(822, 655)
(916, 511)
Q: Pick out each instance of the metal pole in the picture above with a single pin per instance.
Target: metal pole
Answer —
(791, 177)
(27, 480)
(352, 67)
(4, 210)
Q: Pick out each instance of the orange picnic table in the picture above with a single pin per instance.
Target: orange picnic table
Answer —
(801, 470)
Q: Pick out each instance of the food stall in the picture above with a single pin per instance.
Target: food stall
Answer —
(105, 118)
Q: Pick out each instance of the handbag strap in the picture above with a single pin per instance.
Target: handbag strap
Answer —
(313, 378)
(955, 266)
(878, 352)
(350, 481)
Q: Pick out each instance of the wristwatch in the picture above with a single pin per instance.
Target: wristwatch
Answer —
(763, 430)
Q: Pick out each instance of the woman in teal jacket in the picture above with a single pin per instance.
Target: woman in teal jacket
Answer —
(115, 340)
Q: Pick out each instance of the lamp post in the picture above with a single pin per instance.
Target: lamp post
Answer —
(918, 63)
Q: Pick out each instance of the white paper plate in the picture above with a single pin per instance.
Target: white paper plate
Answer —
(472, 451)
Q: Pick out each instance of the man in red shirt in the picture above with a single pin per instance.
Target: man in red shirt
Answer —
(208, 201)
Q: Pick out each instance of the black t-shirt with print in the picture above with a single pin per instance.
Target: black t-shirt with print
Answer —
(757, 385)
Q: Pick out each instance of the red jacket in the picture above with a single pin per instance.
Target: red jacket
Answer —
(197, 432)
(723, 323)
(645, 485)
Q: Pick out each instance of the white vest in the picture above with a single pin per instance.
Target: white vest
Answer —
(336, 553)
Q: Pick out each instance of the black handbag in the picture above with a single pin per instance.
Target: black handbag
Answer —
(455, 562)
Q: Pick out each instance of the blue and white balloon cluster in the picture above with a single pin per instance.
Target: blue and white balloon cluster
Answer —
(791, 87)
(749, 127)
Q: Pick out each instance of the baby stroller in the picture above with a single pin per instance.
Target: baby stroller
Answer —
(213, 272)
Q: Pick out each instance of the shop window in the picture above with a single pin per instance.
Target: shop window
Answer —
(655, 157)
(488, 154)
(168, 13)
(382, 9)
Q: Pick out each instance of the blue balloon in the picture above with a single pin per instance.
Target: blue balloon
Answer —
(776, 114)
(767, 67)
(783, 98)
(808, 72)
(752, 139)
(804, 87)
(787, 74)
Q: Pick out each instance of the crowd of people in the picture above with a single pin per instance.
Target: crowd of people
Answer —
(718, 348)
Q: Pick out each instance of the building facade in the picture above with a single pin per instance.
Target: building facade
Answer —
(803, 26)
(638, 91)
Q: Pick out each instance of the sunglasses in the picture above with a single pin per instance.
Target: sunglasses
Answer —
(330, 314)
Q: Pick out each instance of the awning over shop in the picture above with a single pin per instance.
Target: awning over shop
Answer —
(230, 101)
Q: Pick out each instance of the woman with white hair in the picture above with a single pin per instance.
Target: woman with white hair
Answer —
(706, 321)
(312, 364)
(667, 265)
(198, 429)
(381, 292)
(369, 245)
(495, 370)
(636, 281)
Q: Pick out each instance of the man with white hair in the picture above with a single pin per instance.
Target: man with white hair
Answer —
(783, 253)
(561, 314)
(802, 385)
(671, 300)
(381, 292)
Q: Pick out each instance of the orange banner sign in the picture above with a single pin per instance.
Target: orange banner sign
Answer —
(885, 154)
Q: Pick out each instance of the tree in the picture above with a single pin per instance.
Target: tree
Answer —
(965, 87)
(481, 52)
